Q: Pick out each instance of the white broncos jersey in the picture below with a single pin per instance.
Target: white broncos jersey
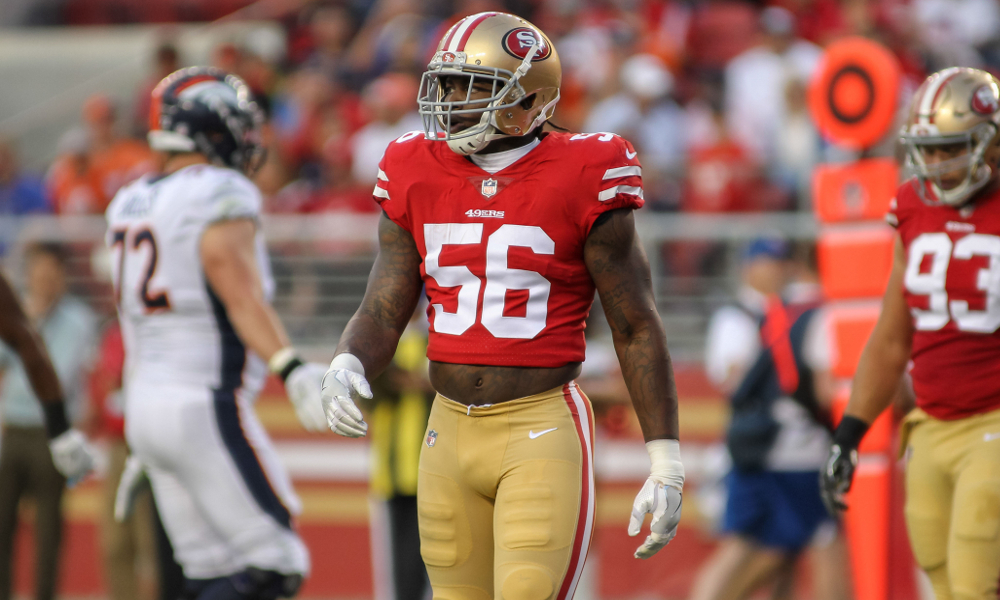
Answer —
(175, 329)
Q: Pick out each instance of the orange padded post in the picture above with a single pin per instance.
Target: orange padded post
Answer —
(855, 261)
(852, 99)
(867, 523)
(852, 323)
(857, 191)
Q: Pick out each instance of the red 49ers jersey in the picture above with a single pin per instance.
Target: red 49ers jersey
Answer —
(952, 286)
(503, 253)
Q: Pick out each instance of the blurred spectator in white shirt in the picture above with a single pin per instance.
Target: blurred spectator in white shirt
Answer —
(645, 113)
(756, 81)
(798, 144)
(951, 30)
(390, 98)
(587, 55)
(733, 339)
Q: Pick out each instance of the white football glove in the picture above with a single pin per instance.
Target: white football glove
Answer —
(72, 455)
(304, 387)
(660, 496)
(132, 481)
(346, 377)
(303, 382)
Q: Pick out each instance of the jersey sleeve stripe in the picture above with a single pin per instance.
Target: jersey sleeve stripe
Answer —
(381, 193)
(382, 175)
(890, 217)
(610, 193)
(622, 172)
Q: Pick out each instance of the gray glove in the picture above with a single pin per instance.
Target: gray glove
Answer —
(72, 455)
(345, 379)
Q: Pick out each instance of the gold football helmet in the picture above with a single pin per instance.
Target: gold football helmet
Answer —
(508, 72)
(952, 135)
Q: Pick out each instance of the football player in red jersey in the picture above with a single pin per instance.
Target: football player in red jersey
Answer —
(942, 312)
(510, 229)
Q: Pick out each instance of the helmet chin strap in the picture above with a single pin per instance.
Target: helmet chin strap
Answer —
(962, 193)
(474, 143)
(978, 176)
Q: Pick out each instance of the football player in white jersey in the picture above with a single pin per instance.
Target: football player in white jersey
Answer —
(193, 284)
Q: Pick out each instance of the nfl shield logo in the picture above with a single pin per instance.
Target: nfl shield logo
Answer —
(432, 437)
(489, 188)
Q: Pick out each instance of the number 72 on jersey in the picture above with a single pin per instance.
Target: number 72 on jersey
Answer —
(131, 242)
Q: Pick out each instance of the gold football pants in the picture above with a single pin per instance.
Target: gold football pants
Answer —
(505, 496)
(953, 502)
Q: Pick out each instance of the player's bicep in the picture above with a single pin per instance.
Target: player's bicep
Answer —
(228, 260)
(620, 271)
(395, 283)
(14, 328)
(12, 319)
(895, 324)
(16, 332)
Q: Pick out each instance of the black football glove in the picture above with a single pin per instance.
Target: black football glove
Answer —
(838, 472)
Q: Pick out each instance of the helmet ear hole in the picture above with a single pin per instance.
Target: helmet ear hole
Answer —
(528, 102)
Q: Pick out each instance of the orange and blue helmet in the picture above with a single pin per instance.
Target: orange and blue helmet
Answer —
(206, 110)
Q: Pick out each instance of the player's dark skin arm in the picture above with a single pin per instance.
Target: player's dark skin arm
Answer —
(16, 331)
(620, 270)
(887, 351)
(392, 294)
(390, 298)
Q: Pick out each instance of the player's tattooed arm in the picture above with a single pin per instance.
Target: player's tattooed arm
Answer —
(16, 331)
(392, 294)
(620, 270)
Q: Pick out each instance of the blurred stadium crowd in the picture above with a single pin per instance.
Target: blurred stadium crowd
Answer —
(712, 92)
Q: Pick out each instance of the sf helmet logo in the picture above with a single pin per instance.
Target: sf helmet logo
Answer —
(518, 42)
(985, 101)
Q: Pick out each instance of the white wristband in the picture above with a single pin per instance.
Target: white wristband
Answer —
(346, 360)
(280, 359)
(665, 460)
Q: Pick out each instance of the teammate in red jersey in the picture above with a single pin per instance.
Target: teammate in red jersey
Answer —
(510, 230)
(942, 311)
